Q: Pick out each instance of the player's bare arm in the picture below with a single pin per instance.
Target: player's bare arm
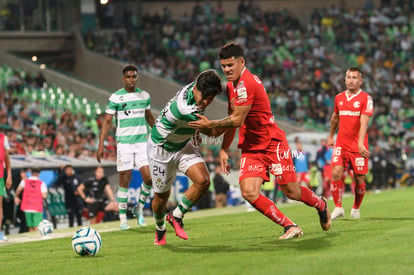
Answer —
(334, 125)
(235, 120)
(149, 117)
(223, 155)
(17, 200)
(82, 194)
(362, 133)
(106, 126)
(8, 169)
(109, 194)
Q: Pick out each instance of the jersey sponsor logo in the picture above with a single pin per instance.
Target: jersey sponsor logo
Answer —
(255, 168)
(357, 104)
(282, 154)
(276, 169)
(349, 113)
(241, 93)
(360, 162)
(134, 112)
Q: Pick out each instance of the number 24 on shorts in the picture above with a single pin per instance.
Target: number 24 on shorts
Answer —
(157, 170)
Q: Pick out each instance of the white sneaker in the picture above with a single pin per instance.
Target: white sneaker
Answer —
(2, 237)
(355, 213)
(338, 212)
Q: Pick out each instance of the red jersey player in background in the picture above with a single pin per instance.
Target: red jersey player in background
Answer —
(264, 146)
(352, 111)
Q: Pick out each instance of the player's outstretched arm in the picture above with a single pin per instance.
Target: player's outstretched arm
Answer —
(235, 120)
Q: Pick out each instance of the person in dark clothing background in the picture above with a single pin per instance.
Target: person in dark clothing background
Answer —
(74, 204)
(379, 167)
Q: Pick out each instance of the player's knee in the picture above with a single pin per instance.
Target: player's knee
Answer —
(336, 175)
(292, 191)
(250, 195)
(292, 194)
(203, 185)
(161, 198)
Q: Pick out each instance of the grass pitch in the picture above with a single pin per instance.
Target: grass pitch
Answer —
(233, 241)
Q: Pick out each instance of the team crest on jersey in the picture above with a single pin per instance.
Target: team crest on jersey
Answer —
(357, 104)
(341, 103)
(158, 183)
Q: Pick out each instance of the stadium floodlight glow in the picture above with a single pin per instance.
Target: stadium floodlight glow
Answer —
(103, 2)
(34, 58)
(42, 66)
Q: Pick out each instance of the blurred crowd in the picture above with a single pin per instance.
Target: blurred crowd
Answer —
(33, 128)
(301, 66)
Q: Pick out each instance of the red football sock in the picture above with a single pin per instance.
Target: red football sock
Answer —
(359, 195)
(337, 189)
(311, 199)
(269, 209)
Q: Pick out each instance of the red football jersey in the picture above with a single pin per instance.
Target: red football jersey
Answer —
(259, 127)
(350, 109)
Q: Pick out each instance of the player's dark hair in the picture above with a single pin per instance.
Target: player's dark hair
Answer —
(35, 170)
(208, 83)
(129, 67)
(231, 49)
(356, 69)
(67, 166)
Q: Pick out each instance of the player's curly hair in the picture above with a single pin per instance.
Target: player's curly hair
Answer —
(209, 83)
(231, 49)
(129, 67)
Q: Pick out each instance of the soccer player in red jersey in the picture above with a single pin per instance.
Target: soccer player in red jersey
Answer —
(264, 146)
(352, 111)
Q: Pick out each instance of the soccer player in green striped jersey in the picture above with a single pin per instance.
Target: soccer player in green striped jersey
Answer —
(170, 149)
(131, 107)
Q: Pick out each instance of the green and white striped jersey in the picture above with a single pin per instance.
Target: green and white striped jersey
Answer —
(129, 110)
(171, 128)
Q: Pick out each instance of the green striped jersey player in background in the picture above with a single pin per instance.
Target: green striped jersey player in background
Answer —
(170, 149)
(131, 107)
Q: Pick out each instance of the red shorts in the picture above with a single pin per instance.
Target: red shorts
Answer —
(303, 177)
(260, 163)
(358, 164)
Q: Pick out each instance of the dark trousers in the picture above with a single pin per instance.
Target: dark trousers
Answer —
(72, 212)
(379, 179)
